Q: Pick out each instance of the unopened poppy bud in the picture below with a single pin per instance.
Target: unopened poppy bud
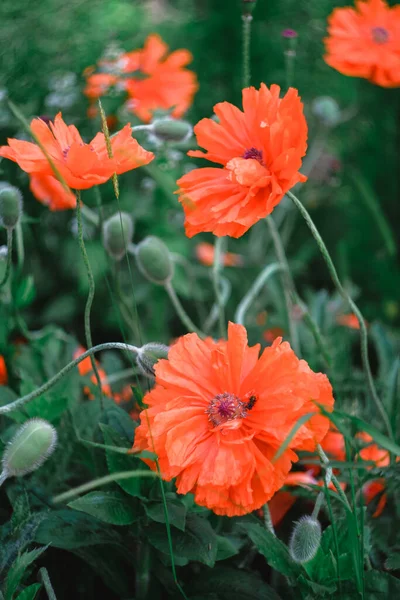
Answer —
(327, 110)
(149, 355)
(10, 206)
(248, 7)
(305, 539)
(171, 130)
(117, 234)
(154, 260)
(31, 446)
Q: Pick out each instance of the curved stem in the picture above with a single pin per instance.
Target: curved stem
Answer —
(332, 477)
(217, 284)
(363, 329)
(318, 505)
(20, 246)
(89, 301)
(254, 290)
(247, 19)
(287, 283)
(268, 519)
(9, 257)
(47, 584)
(184, 317)
(90, 215)
(214, 312)
(3, 477)
(49, 384)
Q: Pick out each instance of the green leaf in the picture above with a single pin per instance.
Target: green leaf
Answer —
(118, 419)
(30, 592)
(119, 462)
(17, 570)
(228, 583)
(226, 548)
(385, 348)
(198, 542)
(176, 512)
(275, 551)
(381, 586)
(110, 507)
(393, 562)
(70, 529)
(24, 292)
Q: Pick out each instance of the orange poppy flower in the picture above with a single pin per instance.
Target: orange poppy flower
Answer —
(364, 42)
(219, 413)
(205, 255)
(50, 192)
(3, 371)
(81, 165)
(153, 79)
(85, 368)
(349, 321)
(260, 150)
(381, 458)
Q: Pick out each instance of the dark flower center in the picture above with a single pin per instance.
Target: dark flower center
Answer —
(227, 407)
(380, 35)
(255, 154)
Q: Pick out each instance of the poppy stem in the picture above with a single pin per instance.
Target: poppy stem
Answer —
(56, 378)
(246, 19)
(261, 280)
(331, 477)
(182, 314)
(363, 329)
(216, 272)
(268, 519)
(317, 505)
(44, 576)
(20, 246)
(9, 257)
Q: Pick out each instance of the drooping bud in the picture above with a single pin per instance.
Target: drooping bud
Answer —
(171, 130)
(31, 446)
(248, 7)
(149, 355)
(117, 234)
(154, 260)
(327, 110)
(10, 206)
(305, 539)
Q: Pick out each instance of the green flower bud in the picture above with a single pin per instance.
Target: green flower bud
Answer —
(305, 539)
(149, 355)
(31, 446)
(154, 260)
(117, 234)
(327, 110)
(10, 206)
(171, 130)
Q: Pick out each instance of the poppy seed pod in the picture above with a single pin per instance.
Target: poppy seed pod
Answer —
(117, 234)
(327, 110)
(31, 446)
(10, 206)
(154, 260)
(171, 130)
(149, 355)
(305, 539)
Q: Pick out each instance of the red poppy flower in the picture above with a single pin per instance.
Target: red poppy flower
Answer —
(81, 165)
(3, 371)
(205, 254)
(349, 321)
(50, 192)
(260, 150)
(372, 452)
(364, 42)
(153, 79)
(219, 413)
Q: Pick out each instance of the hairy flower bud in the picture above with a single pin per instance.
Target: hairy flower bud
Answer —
(149, 355)
(171, 130)
(154, 260)
(30, 447)
(10, 206)
(327, 110)
(117, 234)
(305, 539)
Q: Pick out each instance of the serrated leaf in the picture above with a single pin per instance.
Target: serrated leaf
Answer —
(30, 592)
(17, 570)
(275, 551)
(381, 586)
(110, 507)
(228, 584)
(119, 462)
(198, 542)
(176, 512)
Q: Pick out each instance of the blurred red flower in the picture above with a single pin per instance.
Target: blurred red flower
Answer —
(205, 255)
(3, 371)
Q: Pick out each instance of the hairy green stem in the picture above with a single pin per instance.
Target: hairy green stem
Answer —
(268, 519)
(89, 301)
(182, 314)
(317, 506)
(363, 328)
(261, 280)
(9, 257)
(335, 481)
(20, 246)
(214, 312)
(246, 19)
(216, 272)
(47, 584)
(7, 408)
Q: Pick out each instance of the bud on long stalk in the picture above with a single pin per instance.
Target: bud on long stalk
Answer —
(117, 234)
(305, 539)
(154, 260)
(10, 206)
(149, 355)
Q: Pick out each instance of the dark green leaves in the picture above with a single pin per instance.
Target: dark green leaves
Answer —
(110, 507)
